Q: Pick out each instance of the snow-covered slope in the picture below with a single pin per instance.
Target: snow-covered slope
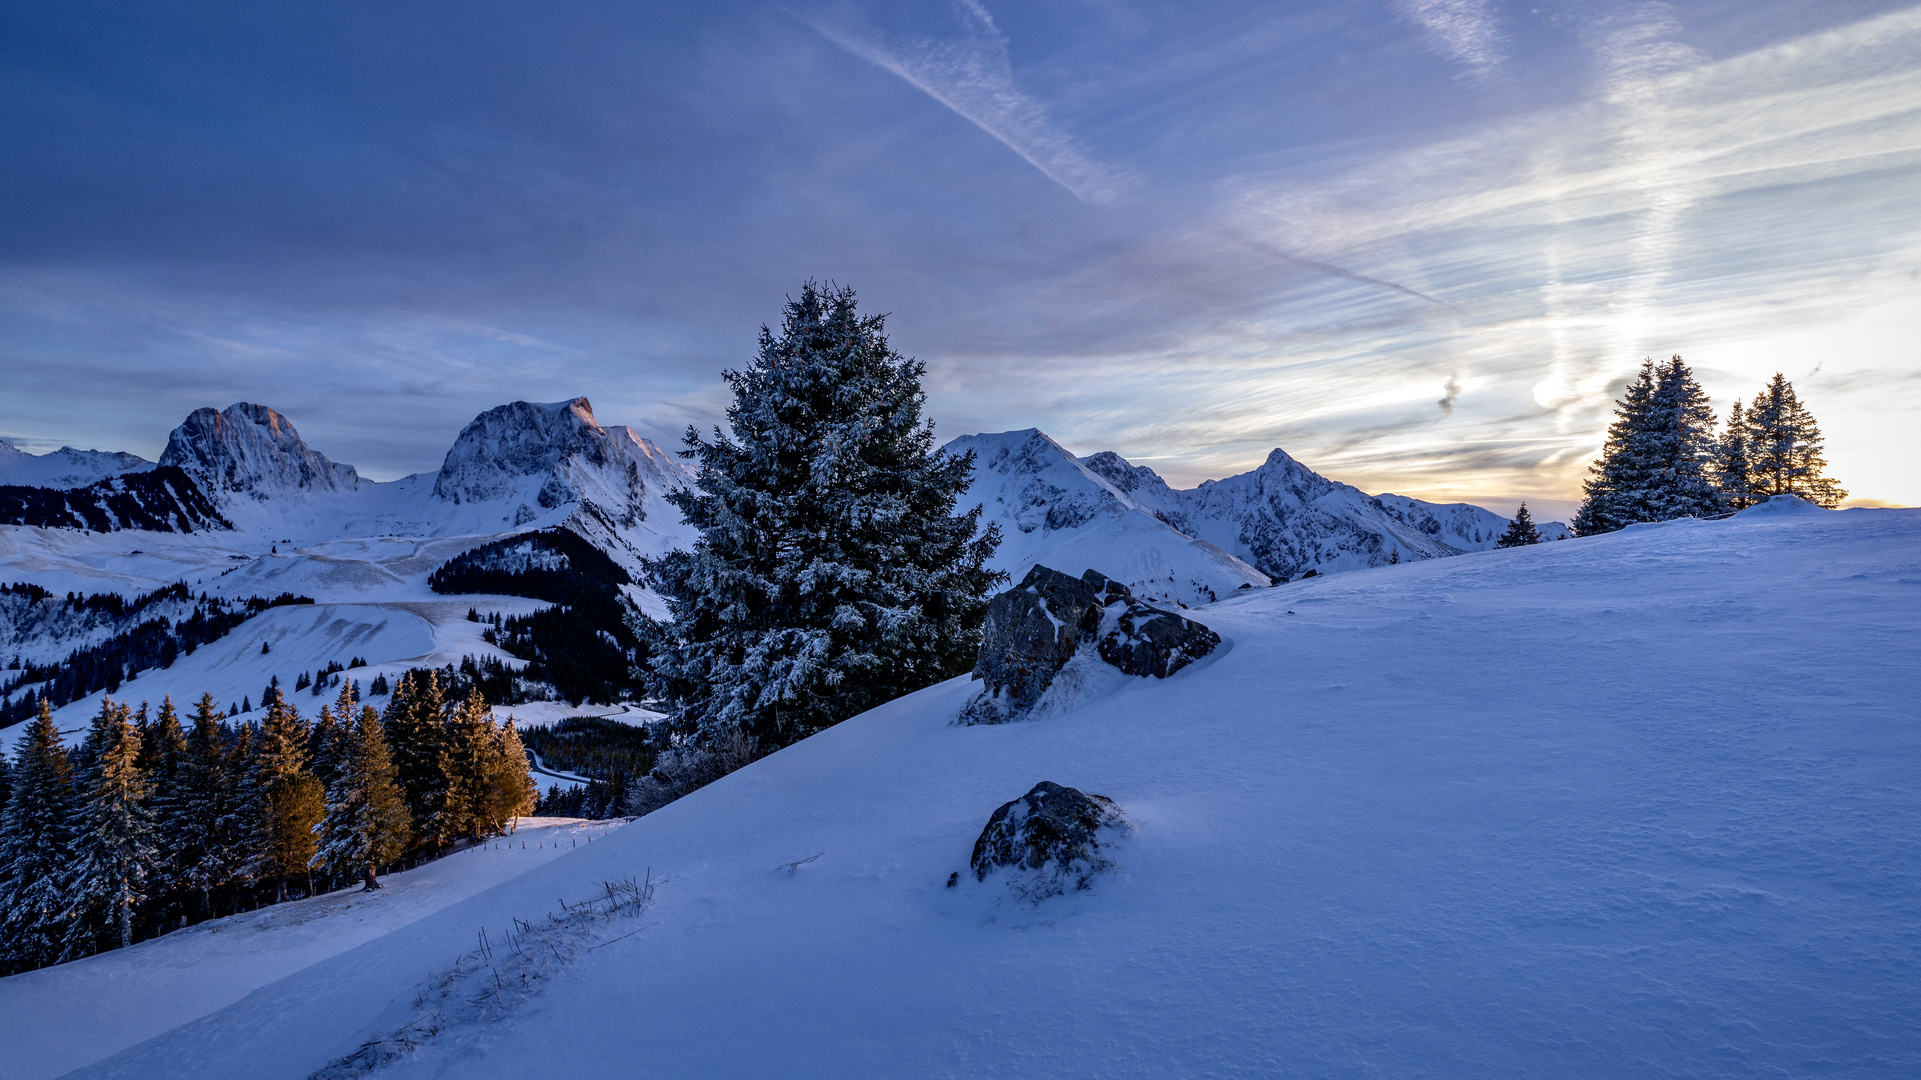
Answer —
(1634, 805)
(1054, 511)
(1287, 519)
(65, 467)
(74, 1015)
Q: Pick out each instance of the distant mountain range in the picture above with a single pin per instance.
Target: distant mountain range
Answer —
(523, 466)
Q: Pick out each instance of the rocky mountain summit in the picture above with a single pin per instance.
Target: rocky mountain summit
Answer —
(526, 459)
(1285, 519)
(251, 452)
(1053, 509)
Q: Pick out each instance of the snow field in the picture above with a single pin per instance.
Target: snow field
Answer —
(62, 1018)
(1643, 804)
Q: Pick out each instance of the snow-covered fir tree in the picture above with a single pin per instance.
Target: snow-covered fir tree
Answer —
(1659, 459)
(201, 816)
(1785, 448)
(417, 729)
(466, 758)
(288, 801)
(1520, 532)
(368, 824)
(1734, 470)
(832, 573)
(510, 790)
(34, 847)
(114, 845)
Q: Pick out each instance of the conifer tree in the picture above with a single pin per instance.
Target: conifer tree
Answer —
(113, 845)
(1784, 447)
(368, 823)
(1520, 532)
(832, 573)
(324, 742)
(289, 802)
(417, 730)
(1659, 458)
(467, 763)
(510, 784)
(1734, 471)
(200, 817)
(33, 848)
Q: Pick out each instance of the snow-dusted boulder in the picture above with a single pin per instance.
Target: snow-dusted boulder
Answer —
(1052, 509)
(251, 452)
(1048, 841)
(64, 468)
(1034, 630)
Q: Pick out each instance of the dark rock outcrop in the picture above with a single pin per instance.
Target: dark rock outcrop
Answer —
(1048, 840)
(1034, 629)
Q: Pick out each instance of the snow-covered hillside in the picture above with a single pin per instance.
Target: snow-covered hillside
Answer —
(1636, 805)
(75, 1015)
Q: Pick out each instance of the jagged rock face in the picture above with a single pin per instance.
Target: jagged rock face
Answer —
(533, 458)
(1286, 519)
(64, 468)
(1053, 510)
(1035, 629)
(504, 445)
(252, 451)
(1048, 840)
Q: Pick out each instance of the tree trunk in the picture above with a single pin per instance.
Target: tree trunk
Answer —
(367, 874)
(282, 897)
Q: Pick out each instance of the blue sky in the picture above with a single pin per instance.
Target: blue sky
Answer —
(1418, 243)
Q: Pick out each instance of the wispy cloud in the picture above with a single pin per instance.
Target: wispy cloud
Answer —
(1463, 31)
(974, 76)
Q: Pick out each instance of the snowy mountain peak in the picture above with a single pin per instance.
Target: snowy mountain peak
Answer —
(64, 468)
(1054, 509)
(530, 459)
(252, 450)
(1287, 519)
(506, 444)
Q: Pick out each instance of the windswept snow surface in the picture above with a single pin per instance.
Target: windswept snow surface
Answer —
(1637, 805)
(58, 1019)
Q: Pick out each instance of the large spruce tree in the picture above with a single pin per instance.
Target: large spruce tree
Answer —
(34, 839)
(1784, 448)
(832, 573)
(289, 802)
(368, 823)
(1659, 459)
(201, 815)
(417, 730)
(114, 848)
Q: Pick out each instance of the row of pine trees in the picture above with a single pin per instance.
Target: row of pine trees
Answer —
(1663, 459)
(150, 823)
